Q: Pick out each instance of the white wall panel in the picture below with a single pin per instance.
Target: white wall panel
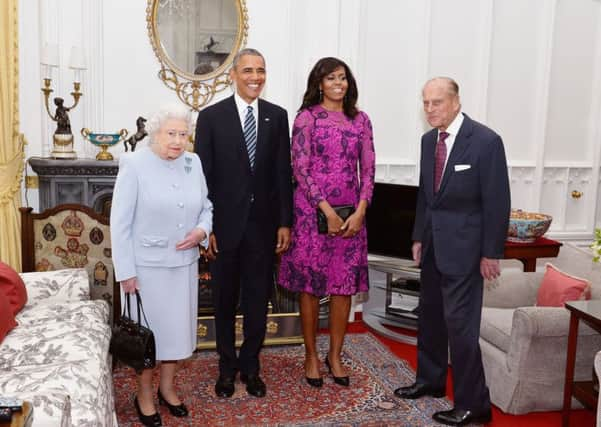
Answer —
(579, 182)
(457, 43)
(570, 95)
(517, 66)
(391, 77)
(523, 190)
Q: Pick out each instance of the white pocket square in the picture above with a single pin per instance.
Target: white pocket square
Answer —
(459, 168)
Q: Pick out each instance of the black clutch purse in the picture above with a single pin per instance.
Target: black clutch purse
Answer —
(131, 342)
(342, 211)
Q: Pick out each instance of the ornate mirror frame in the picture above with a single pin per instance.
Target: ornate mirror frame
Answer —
(194, 90)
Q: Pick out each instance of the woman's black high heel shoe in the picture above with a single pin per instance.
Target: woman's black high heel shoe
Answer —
(176, 410)
(343, 381)
(314, 382)
(153, 420)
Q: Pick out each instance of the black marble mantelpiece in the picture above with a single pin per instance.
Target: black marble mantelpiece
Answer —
(87, 182)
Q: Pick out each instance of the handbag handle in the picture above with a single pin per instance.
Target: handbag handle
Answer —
(140, 307)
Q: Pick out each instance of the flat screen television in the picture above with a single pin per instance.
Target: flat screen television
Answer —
(390, 219)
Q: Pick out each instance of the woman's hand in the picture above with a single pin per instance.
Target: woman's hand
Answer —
(192, 239)
(353, 224)
(335, 223)
(130, 285)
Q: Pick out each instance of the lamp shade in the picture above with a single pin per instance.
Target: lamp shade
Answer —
(49, 55)
(77, 60)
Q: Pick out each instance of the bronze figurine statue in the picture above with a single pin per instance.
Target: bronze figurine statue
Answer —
(61, 116)
(138, 136)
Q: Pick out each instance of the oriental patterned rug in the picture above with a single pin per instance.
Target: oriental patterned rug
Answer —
(375, 372)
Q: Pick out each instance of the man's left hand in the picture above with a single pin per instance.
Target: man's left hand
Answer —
(283, 242)
(490, 268)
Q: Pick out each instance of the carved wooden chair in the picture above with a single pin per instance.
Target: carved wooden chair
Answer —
(71, 236)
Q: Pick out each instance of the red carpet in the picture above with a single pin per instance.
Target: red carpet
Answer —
(579, 418)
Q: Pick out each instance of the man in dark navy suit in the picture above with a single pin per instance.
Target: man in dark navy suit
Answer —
(461, 223)
(244, 145)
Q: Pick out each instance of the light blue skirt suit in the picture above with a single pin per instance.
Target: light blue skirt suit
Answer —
(155, 204)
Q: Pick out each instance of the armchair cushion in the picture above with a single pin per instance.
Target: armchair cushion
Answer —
(558, 287)
(496, 326)
(12, 286)
(58, 286)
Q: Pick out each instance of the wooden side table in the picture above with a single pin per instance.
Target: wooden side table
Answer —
(23, 418)
(527, 253)
(589, 312)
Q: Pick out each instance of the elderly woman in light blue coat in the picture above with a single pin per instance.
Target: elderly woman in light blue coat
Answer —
(160, 214)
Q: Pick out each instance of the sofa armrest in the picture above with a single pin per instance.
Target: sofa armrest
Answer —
(51, 287)
(512, 289)
(539, 338)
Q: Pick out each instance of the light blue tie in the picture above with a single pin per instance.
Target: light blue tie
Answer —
(250, 135)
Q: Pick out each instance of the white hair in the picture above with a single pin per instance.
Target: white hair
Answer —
(167, 112)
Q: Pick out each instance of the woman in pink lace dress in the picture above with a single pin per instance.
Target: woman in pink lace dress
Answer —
(333, 161)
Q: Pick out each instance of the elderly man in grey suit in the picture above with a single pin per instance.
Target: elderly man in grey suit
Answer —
(460, 228)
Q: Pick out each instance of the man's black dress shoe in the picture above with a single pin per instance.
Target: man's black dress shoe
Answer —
(224, 387)
(153, 420)
(176, 410)
(417, 390)
(343, 381)
(461, 417)
(254, 385)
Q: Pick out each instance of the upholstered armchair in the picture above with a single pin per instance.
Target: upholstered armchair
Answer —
(524, 346)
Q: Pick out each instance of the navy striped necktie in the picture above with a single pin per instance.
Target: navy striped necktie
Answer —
(250, 135)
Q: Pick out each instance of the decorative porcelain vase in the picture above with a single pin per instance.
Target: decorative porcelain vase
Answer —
(104, 141)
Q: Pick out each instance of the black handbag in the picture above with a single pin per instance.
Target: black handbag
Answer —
(343, 212)
(131, 342)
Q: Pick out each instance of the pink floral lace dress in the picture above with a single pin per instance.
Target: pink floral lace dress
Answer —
(333, 159)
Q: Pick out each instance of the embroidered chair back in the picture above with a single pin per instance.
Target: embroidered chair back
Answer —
(70, 236)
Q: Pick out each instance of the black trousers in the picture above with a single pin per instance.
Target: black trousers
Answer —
(450, 309)
(243, 274)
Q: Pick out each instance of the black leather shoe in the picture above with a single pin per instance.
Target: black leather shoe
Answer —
(314, 382)
(343, 381)
(153, 420)
(254, 385)
(176, 410)
(224, 387)
(461, 417)
(416, 391)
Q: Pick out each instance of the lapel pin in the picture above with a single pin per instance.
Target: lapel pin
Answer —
(266, 119)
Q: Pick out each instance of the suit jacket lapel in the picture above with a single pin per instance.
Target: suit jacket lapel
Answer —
(462, 142)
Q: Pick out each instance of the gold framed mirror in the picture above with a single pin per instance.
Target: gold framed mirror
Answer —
(195, 42)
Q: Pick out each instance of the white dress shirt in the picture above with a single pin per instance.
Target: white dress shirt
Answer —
(452, 130)
(242, 106)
